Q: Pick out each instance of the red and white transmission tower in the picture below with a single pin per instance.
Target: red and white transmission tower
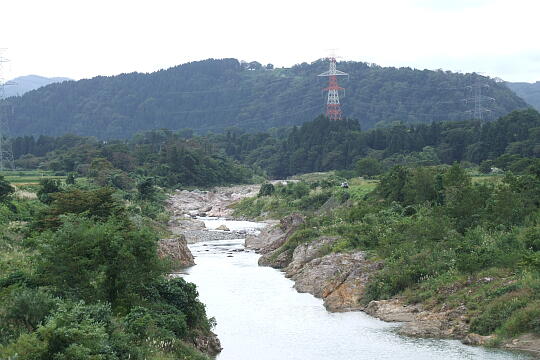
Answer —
(333, 109)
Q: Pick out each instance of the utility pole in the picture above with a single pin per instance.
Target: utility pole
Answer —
(333, 108)
(6, 152)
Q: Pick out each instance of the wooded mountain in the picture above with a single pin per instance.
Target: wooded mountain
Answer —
(530, 92)
(213, 95)
(23, 84)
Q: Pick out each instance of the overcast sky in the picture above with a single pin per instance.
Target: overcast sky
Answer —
(85, 38)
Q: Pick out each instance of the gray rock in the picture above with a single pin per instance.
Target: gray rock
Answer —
(208, 343)
(276, 261)
(177, 250)
(304, 253)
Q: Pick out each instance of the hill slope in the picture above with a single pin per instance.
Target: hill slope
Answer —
(528, 92)
(212, 95)
(24, 84)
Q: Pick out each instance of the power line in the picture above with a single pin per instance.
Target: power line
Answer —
(6, 151)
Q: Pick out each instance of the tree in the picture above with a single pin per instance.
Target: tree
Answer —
(485, 166)
(393, 183)
(48, 187)
(98, 204)
(5, 189)
(368, 167)
(146, 189)
(266, 190)
(70, 180)
(99, 261)
(456, 177)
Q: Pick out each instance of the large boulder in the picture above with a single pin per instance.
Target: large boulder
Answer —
(339, 279)
(277, 260)
(266, 237)
(208, 344)
(176, 249)
(273, 238)
(304, 253)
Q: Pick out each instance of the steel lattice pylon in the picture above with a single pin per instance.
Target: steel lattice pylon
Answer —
(6, 152)
(333, 108)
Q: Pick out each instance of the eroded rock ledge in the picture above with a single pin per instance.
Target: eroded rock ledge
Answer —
(340, 279)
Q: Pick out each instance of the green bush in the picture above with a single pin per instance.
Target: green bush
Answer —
(73, 332)
(266, 189)
(526, 319)
(498, 312)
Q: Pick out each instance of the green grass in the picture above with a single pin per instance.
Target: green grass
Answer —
(487, 179)
(29, 177)
(360, 187)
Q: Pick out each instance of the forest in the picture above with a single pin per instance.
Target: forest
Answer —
(323, 145)
(183, 159)
(214, 94)
(169, 159)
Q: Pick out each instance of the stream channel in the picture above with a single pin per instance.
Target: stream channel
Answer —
(261, 317)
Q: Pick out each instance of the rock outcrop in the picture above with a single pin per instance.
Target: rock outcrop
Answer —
(208, 344)
(526, 342)
(339, 279)
(269, 241)
(420, 322)
(210, 203)
(177, 250)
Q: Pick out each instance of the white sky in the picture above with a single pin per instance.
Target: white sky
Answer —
(85, 38)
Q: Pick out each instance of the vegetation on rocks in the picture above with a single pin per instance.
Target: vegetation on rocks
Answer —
(80, 277)
(447, 239)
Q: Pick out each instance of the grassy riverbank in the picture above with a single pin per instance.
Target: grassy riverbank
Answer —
(447, 240)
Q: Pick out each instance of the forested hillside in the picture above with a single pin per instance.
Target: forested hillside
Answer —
(182, 159)
(322, 145)
(212, 95)
(528, 92)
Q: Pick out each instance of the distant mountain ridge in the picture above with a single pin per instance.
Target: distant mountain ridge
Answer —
(23, 84)
(213, 95)
(530, 92)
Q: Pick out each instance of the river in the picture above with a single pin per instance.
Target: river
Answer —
(261, 317)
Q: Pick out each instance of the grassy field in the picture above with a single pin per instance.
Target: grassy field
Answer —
(359, 187)
(29, 177)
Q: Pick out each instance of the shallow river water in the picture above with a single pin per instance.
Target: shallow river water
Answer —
(261, 317)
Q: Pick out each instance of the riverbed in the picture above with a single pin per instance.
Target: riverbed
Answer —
(261, 317)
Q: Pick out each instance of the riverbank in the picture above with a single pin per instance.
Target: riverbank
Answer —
(340, 279)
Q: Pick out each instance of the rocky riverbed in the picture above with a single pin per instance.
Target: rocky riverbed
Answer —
(185, 208)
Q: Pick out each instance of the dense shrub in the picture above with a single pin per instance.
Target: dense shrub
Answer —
(498, 312)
